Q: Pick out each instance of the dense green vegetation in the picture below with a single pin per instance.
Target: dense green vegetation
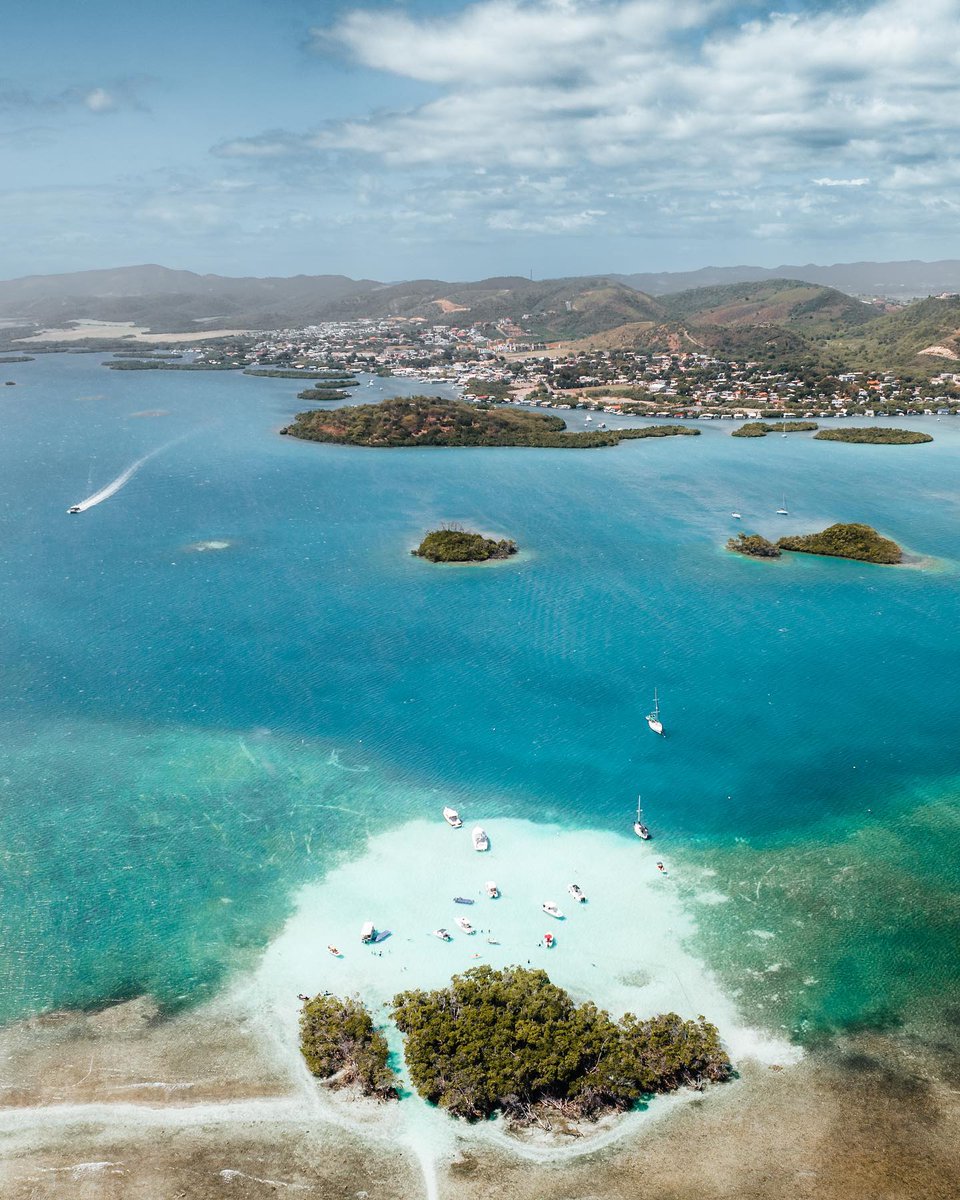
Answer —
(874, 434)
(340, 1044)
(459, 545)
(753, 545)
(492, 389)
(432, 421)
(322, 393)
(512, 1041)
(860, 542)
(334, 378)
(762, 428)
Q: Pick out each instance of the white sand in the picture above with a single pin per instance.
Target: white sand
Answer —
(625, 948)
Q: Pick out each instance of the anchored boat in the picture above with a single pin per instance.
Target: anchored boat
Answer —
(653, 718)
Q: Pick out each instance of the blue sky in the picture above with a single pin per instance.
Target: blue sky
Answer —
(465, 138)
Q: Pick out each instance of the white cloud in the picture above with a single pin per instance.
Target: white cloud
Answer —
(99, 100)
(826, 181)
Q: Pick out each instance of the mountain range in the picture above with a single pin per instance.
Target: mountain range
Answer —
(769, 317)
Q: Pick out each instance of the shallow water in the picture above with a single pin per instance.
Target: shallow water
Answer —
(187, 738)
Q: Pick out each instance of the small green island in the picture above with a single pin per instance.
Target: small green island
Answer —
(511, 1041)
(341, 1046)
(856, 541)
(452, 544)
(762, 428)
(434, 421)
(877, 435)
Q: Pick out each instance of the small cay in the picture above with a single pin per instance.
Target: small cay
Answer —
(451, 544)
(859, 542)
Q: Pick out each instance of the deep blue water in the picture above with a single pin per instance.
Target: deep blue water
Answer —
(167, 715)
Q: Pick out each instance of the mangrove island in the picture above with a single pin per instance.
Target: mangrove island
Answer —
(856, 541)
(762, 428)
(511, 1041)
(878, 435)
(434, 421)
(341, 1046)
(452, 544)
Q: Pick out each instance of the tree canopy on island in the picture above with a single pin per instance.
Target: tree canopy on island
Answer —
(856, 541)
(860, 542)
(340, 1044)
(762, 428)
(510, 1040)
(434, 421)
(459, 545)
(879, 435)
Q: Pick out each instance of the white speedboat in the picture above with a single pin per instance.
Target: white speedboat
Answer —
(465, 925)
(577, 892)
(491, 889)
(334, 951)
(736, 516)
(74, 508)
(442, 935)
(551, 908)
(368, 933)
(549, 940)
(452, 817)
(653, 718)
(480, 839)
(638, 826)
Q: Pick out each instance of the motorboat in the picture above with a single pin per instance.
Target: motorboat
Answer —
(465, 925)
(491, 889)
(442, 935)
(653, 718)
(452, 817)
(551, 908)
(736, 516)
(549, 941)
(463, 900)
(334, 951)
(74, 508)
(480, 840)
(638, 826)
(368, 933)
(577, 892)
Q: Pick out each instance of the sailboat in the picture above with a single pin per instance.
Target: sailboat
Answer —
(653, 718)
(638, 826)
(783, 511)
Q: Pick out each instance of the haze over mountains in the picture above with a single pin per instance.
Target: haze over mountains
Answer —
(178, 301)
(767, 317)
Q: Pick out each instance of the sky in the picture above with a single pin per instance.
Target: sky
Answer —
(460, 139)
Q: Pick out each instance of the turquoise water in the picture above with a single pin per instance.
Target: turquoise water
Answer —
(186, 736)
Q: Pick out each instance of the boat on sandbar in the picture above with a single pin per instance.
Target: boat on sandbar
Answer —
(334, 951)
(465, 925)
(368, 933)
(653, 718)
(463, 900)
(492, 890)
(452, 817)
(552, 909)
(577, 892)
(549, 941)
(442, 935)
(480, 840)
(638, 826)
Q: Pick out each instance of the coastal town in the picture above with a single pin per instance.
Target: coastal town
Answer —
(494, 362)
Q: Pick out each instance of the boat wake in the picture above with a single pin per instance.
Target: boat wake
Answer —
(122, 479)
